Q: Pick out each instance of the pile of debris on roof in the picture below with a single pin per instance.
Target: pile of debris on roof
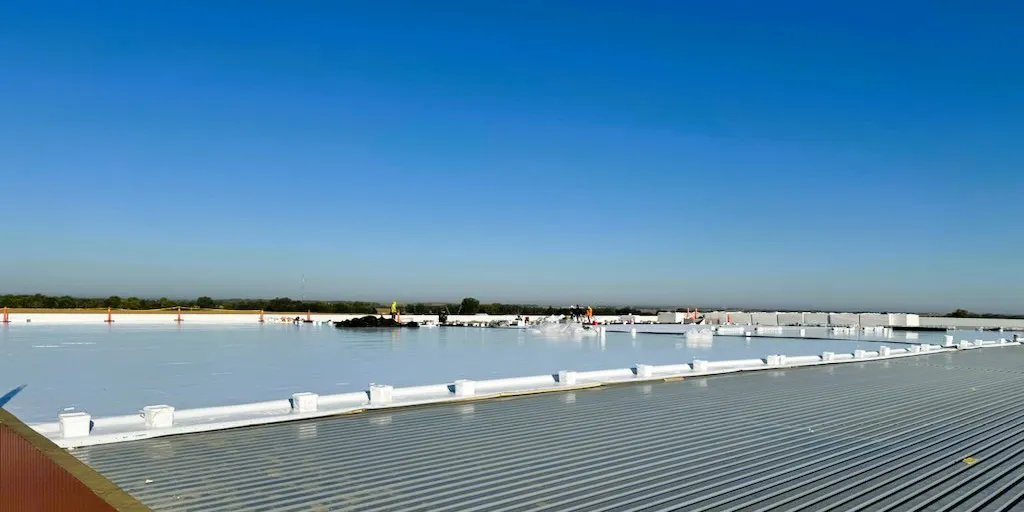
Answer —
(373, 321)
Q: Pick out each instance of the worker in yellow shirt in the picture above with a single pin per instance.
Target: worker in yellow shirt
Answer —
(394, 310)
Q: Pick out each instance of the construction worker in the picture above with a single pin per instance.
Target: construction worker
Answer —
(394, 310)
(590, 314)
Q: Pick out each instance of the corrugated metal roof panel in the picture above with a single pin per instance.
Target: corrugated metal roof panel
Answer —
(37, 475)
(936, 432)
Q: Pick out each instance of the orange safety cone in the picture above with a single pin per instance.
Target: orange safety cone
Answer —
(261, 316)
(179, 315)
(110, 317)
(6, 320)
(309, 317)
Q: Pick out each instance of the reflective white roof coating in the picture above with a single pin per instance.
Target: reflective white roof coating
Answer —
(79, 429)
(112, 370)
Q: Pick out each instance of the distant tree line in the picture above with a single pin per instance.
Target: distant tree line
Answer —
(963, 313)
(468, 306)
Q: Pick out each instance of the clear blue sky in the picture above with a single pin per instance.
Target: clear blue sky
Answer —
(791, 154)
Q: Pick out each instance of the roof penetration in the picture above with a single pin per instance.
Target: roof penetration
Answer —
(940, 432)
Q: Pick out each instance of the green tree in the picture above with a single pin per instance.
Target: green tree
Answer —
(112, 302)
(130, 303)
(280, 304)
(205, 302)
(470, 306)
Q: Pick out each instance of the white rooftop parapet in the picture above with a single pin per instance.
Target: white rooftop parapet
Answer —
(74, 424)
(948, 338)
(304, 402)
(802, 360)
(158, 416)
(673, 369)
(733, 364)
(791, 318)
(381, 394)
(75, 428)
(671, 317)
(465, 387)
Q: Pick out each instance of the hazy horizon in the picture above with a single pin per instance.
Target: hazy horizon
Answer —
(779, 155)
(708, 306)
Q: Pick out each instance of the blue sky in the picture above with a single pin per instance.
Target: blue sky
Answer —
(761, 154)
